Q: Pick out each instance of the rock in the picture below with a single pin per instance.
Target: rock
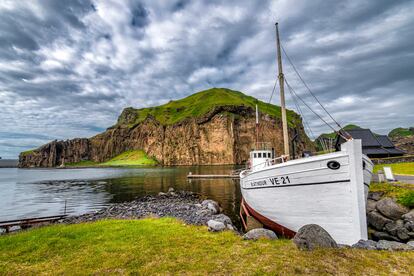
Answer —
(376, 220)
(393, 246)
(215, 226)
(389, 208)
(211, 205)
(363, 244)
(375, 195)
(371, 205)
(377, 235)
(170, 143)
(409, 216)
(223, 218)
(170, 189)
(411, 243)
(340, 245)
(394, 226)
(260, 233)
(409, 225)
(162, 194)
(312, 236)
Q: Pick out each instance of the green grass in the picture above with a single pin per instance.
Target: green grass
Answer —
(401, 132)
(406, 168)
(167, 246)
(199, 104)
(131, 158)
(27, 152)
(403, 193)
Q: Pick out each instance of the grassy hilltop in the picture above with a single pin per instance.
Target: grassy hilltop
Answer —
(200, 104)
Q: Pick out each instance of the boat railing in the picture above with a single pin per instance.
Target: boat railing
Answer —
(268, 162)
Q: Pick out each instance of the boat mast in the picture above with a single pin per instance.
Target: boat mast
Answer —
(282, 95)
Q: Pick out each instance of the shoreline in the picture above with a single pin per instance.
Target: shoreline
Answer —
(189, 207)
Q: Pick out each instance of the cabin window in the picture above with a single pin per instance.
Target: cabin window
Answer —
(260, 155)
(268, 154)
(255, 155)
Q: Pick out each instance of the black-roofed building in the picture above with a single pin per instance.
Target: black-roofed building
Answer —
(374, 146)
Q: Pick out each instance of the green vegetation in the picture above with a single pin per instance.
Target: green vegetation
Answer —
(167, 246)
(130, 158)
(199, 104)
(126, 159)
(403, 193)
(332, 135)
(27, 152)
(401, 132)
(405, 168)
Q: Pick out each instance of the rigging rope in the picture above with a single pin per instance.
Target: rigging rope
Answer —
(293, 91)
(310, 91)
(302, 114)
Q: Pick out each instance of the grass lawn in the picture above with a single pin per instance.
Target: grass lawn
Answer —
(406, 168)
(167, 246)
(128, 158)
(403, 193)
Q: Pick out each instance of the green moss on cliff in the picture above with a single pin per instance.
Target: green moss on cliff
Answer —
(126, 159)
(131, 158)
(27, 152)
(199, 104)
(401, 132)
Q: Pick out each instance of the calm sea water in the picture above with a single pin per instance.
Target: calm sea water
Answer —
(42, 192)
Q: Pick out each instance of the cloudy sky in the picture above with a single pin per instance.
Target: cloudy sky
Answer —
(68, 68)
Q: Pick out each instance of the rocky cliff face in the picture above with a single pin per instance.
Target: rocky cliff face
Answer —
(224, 135)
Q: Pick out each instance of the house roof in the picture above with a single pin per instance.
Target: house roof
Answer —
(367, 137)
(385, 141)
(373, 144)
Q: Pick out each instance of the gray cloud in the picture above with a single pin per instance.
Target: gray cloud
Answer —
(67, 68)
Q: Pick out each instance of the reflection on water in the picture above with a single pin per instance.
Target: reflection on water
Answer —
(39, 192)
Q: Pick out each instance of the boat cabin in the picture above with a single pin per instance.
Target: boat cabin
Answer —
(260, 158)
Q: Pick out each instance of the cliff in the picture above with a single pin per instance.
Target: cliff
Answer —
(216, 126)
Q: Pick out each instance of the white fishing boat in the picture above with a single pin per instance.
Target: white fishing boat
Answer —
(330, 190)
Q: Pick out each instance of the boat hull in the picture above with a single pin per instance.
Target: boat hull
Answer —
(286, 196)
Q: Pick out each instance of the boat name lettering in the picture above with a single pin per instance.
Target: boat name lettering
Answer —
(258, 183)
(280, 180)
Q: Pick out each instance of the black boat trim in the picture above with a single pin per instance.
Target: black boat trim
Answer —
(303, 184)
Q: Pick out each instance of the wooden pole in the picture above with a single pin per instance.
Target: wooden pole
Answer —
(282, 95)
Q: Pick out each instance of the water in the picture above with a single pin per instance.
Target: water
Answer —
(43, 192)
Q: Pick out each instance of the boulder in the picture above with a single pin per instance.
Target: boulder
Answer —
(411, 243)
(260, 233)
(377, 235)
(222, 218)
(403, 234)
(170, 189)
(393, 246)
(371, 205)
(226, 220)
(313, 236)
(211, 205)
(215, 226)
(394, 226)
(409, 216)
(363, 244)
(376, 220)
(375, 195)
(409, 225)
(389, 208)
